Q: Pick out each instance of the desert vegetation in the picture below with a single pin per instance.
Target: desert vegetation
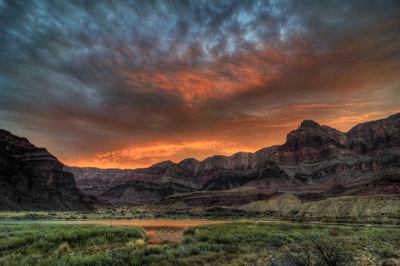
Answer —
(126, 213)
(237, 243)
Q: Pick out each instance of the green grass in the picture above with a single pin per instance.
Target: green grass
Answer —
(244, 243)
(124, 213)
(39, 241)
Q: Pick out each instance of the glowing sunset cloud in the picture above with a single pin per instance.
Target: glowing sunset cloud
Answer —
(207, 83)
(142, 156)
(130, 83)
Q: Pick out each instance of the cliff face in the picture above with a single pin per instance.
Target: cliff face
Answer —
(33, 179)
(312, 143)
(376, 138)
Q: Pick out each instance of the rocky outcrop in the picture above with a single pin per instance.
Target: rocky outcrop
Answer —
(138, 192)
(33, 179)
(240, 161)
(92, 202)
(201, 199)
(388, 185)
(225, 180)
(312, 143)
(360, 171)
(376, 138)
(272, 178)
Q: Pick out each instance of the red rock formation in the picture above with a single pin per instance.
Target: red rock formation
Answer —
(32, 179)
(312, 143)
(312, 156)
(96, 181)
(376, 138)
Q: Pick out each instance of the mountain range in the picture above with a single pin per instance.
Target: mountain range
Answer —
(315, 164)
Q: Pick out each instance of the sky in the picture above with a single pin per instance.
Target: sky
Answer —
(127, 84)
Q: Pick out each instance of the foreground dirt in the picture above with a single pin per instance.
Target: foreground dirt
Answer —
(160, 231)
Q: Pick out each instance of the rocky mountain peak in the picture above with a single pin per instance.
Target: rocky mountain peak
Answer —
(312, 143)
(164, 164)
(309, 124)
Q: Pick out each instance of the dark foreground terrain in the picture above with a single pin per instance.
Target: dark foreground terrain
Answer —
(236, 243)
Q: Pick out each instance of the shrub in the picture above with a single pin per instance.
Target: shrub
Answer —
(202, 237)
(172, 254)
(153, 250)
(299, 255)
(194, 250)
(136, 243)
(331, 252)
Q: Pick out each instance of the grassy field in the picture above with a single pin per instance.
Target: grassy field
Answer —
(211, 213)
(126, 213)
(247, 243)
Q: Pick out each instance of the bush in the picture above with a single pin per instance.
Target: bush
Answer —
(299, 255)
(136, 243)
(331, 252)
(153, 250)
(191, 230)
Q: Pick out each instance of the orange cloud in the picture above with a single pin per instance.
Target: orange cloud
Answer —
(251, 100)
(216, 80)
(144, 156)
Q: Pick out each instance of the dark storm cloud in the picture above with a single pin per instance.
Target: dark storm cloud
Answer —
(88, 73)
(369, 58)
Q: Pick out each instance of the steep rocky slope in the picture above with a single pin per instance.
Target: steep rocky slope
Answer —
(33, 179)
(138, 192)
(312, 143)
(376, 138)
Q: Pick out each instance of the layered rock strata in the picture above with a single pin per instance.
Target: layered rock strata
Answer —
(315, 162)
(33, 179)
